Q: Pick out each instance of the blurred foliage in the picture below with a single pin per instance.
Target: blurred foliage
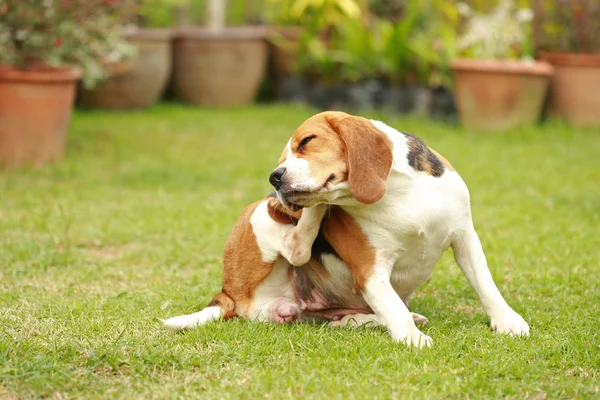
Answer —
(323, 13)
(87, 34)
(160, 13)
(168, 13)
(569, 25)
(239, 12)
(411, 45)
(400, 41)
(505, 32)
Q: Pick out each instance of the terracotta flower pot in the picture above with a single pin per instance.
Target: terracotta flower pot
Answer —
(35, 110)
(499, 95)
(575, 87)
(219, 69)
(138, 83)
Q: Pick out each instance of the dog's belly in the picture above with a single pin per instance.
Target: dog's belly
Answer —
(415, 265)
(416, 254)
(325, 288)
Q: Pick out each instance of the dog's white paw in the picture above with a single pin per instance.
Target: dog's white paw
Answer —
(299, 249)
(413, 337)
(510, 323)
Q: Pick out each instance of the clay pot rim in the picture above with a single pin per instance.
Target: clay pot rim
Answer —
(151, 34)
(40, 73)
(228, 33)
(541, 68)
(571, 59)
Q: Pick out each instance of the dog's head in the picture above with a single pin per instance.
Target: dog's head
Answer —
(330, 156)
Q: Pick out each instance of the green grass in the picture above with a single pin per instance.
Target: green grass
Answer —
(130, 227)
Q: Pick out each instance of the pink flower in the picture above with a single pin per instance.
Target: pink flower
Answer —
(57, 42)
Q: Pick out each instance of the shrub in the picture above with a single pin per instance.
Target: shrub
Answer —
(87, 34)
(569, 25)
(414, 45)
(503, 33)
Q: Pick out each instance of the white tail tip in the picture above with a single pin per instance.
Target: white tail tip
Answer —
(189, 321)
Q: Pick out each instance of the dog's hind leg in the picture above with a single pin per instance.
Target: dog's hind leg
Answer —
(471, 260)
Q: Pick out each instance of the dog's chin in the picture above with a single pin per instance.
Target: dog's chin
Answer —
(295, 201)
(291, 204)
(294, 207)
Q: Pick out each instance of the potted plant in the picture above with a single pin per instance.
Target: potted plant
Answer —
(347, 71)
(141, 81)
(497, 86)
(432, 45)
(283, 41)
(321, 82)
(389, 60)
(570, 41)
(45, 48)
(218, 66)
(294, 23)
(418, 48)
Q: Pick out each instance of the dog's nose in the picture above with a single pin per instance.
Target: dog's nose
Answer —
(276, 176)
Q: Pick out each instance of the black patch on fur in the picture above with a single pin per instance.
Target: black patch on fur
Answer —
(214, 302)
(421, 158)
(321, 246)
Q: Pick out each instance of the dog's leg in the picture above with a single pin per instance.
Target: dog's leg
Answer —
(297, 243)
(371, 271)
(391, 310)
(471, 260)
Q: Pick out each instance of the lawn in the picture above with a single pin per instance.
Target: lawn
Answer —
(130, 228)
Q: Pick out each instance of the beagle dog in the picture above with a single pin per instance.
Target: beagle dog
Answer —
(379, 208)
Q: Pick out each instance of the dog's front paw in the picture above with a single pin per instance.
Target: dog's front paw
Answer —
(413, 337)
(510, 323)
(299, 251)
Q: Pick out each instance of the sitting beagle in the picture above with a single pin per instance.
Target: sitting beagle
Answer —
(392, 206)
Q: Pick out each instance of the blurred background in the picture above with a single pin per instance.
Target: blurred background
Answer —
(491, 65)
(157, 121)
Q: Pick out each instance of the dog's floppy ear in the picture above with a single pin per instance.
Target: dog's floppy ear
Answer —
(369, 153)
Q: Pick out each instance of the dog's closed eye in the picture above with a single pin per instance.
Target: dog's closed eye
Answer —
(304, 142)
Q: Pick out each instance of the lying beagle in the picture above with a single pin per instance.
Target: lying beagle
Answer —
(392, 206)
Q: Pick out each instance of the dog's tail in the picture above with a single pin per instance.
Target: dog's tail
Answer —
(221, 306)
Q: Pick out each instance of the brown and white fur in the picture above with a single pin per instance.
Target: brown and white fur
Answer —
(259, 278)
(395, 207)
